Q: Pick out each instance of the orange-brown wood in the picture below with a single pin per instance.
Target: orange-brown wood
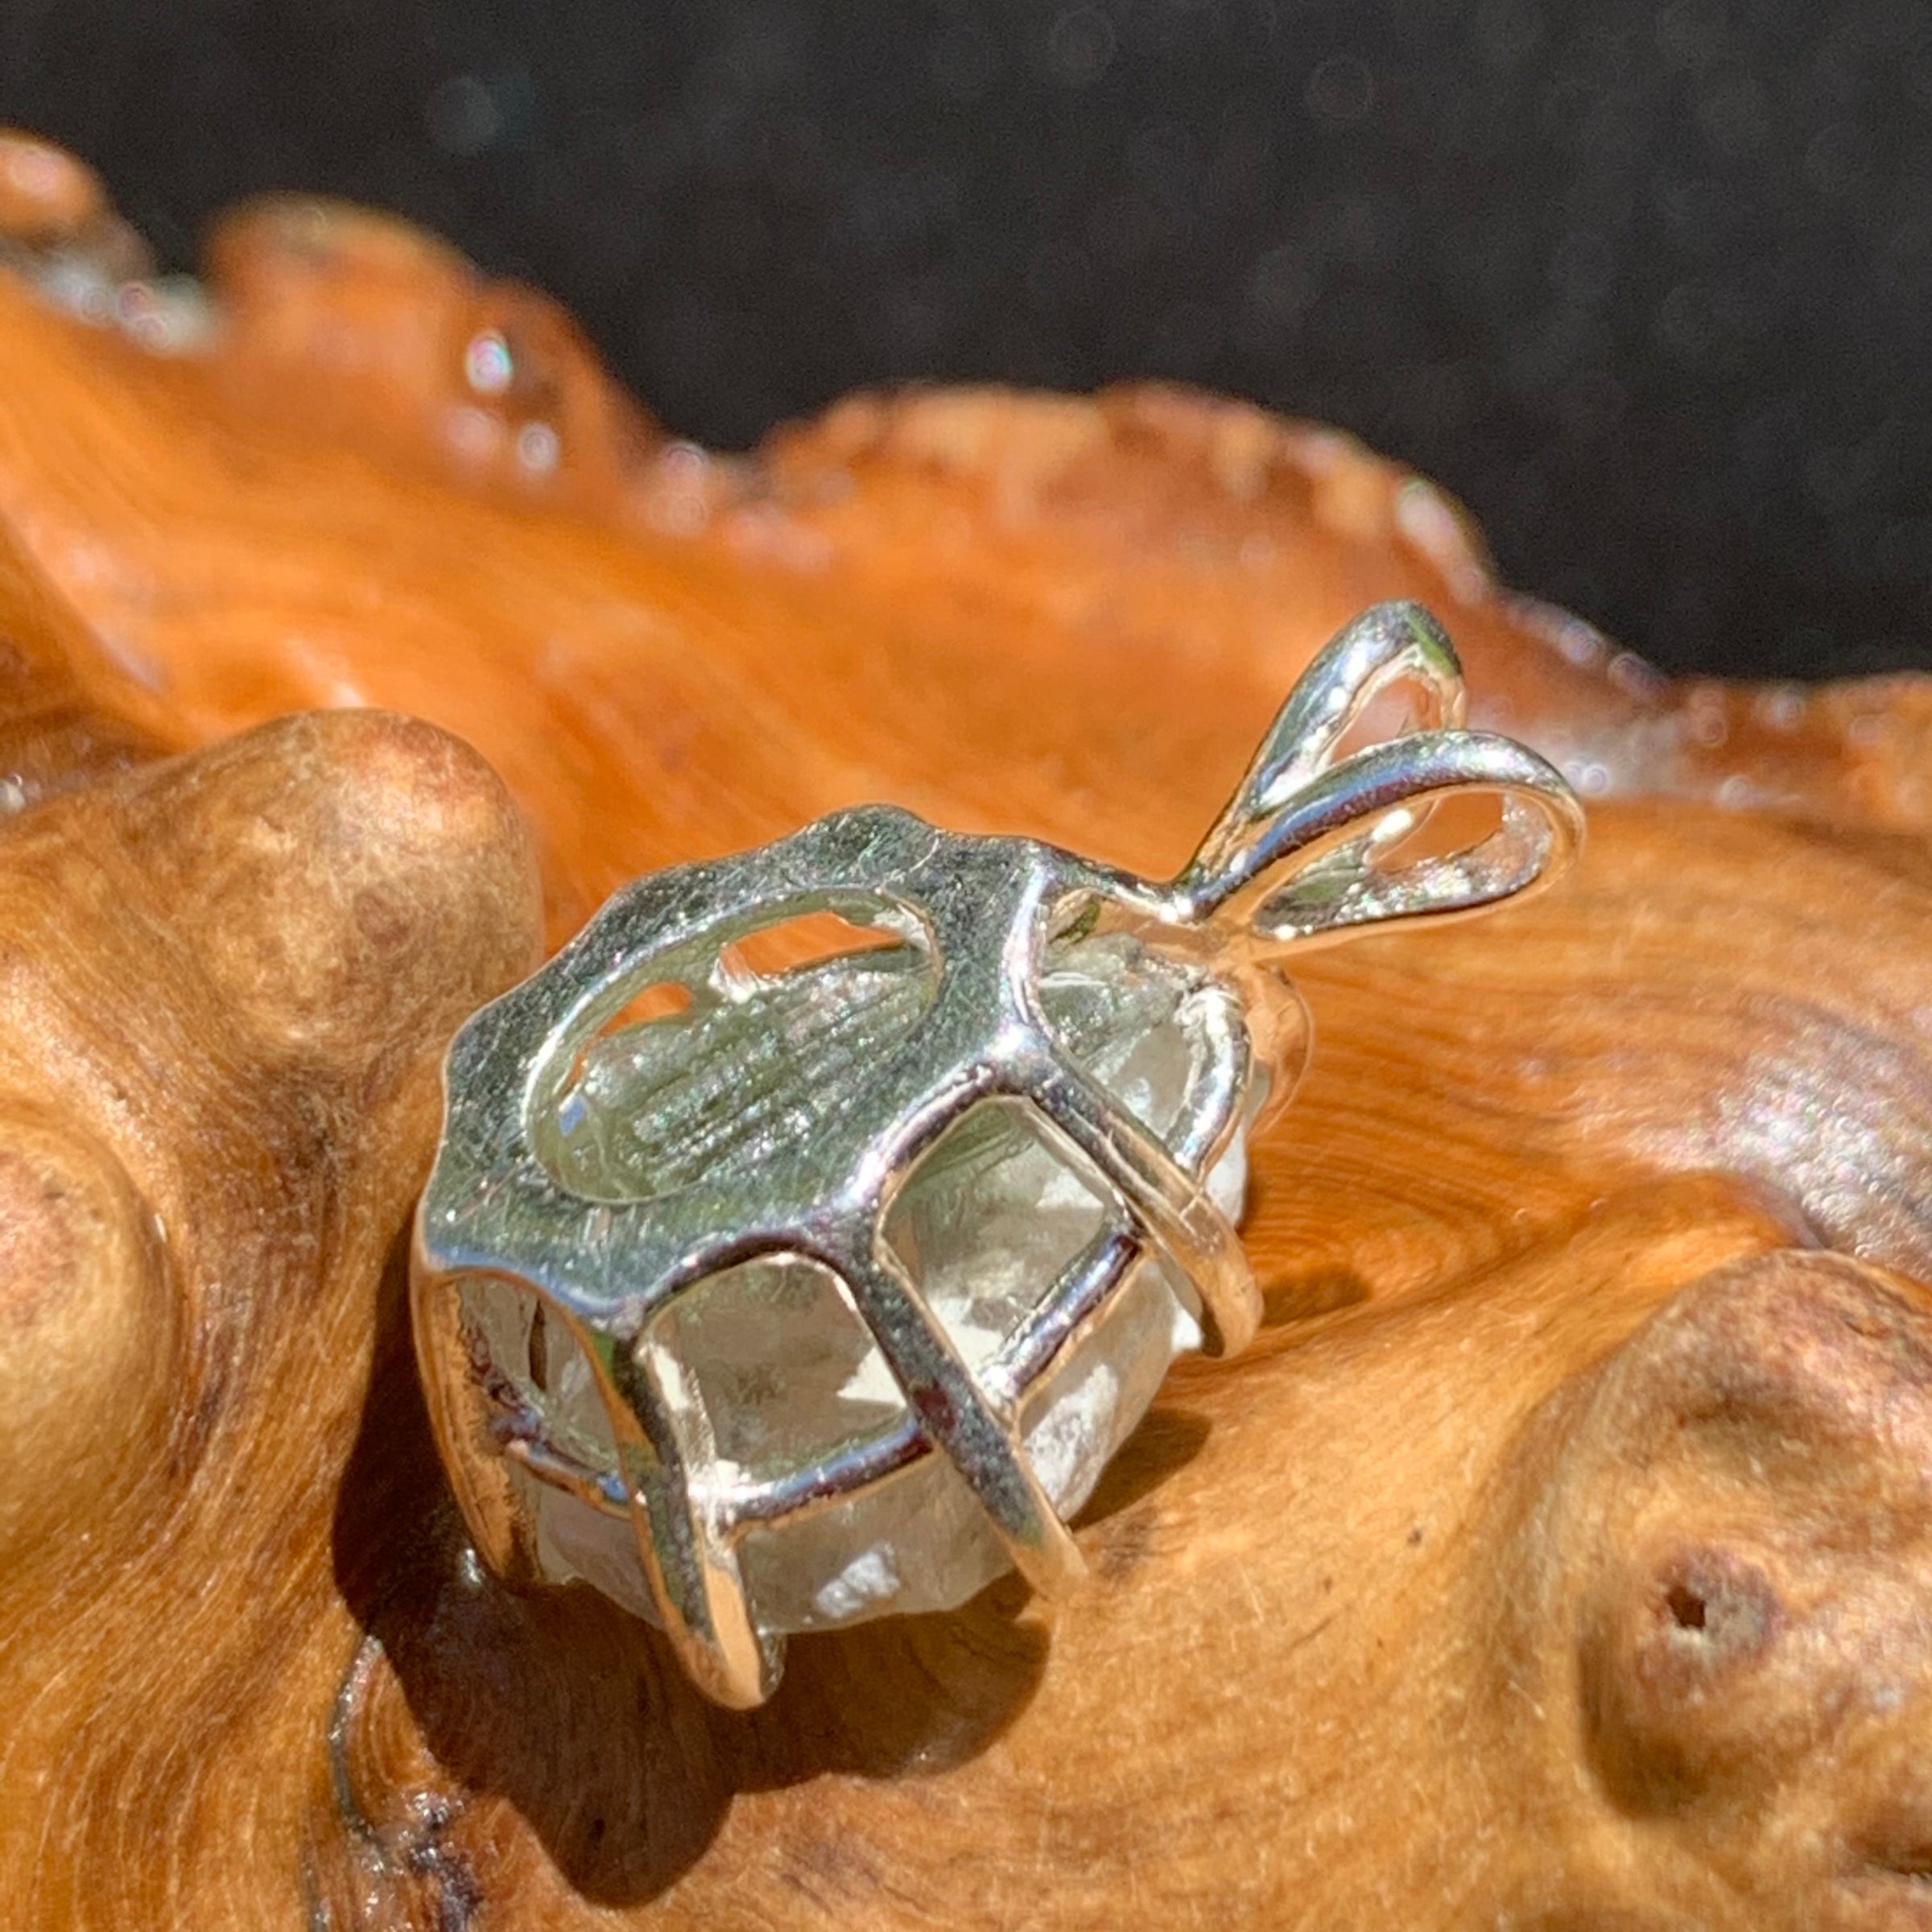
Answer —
(1557, 1557)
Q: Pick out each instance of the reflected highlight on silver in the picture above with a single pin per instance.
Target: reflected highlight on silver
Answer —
(783, 1298)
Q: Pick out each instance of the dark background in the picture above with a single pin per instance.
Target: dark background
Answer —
(1647, 285)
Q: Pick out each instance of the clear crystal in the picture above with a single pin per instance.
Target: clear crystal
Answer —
(702, 1095)
(770, 1370)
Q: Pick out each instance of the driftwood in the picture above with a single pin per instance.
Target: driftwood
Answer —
(1558, 1558)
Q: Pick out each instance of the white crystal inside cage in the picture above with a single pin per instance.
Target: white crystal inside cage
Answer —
(772, 1376)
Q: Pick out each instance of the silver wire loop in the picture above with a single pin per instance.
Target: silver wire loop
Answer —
(1295, 857)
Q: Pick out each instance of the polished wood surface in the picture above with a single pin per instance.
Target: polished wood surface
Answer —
(1558, 1556)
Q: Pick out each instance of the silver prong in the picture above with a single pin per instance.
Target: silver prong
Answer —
(980, 1436)
(1159, 1196)
(692, 1571)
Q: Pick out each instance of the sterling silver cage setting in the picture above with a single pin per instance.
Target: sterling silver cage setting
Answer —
(828, 1290)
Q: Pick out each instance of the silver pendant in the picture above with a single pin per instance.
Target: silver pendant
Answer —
(828, 1290)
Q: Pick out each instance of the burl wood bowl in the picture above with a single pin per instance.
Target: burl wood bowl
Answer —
(1561, 1557)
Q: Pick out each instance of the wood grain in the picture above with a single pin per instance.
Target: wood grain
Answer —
(1558, 1558)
